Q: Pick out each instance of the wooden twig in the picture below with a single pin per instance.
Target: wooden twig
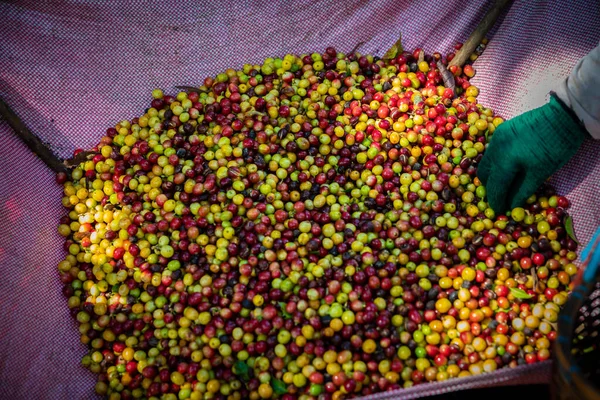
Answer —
(189, 88)
(78, 159)
(37, 146)
(447, 76)
(353, 51)
(33, 142)
(479, 33)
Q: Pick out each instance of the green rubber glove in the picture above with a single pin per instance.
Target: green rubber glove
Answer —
(527, 150)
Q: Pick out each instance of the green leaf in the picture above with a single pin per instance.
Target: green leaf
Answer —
(520, 293)
(570, 230)
(240, 368)
(286, 315)
(394, 50)
(279, 387)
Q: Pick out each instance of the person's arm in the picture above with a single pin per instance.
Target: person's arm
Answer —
(581, 91)
(528, 149)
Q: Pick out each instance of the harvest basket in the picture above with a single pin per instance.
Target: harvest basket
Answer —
(69, 69)
(576, 370)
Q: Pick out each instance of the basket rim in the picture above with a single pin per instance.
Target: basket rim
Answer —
(564, 362)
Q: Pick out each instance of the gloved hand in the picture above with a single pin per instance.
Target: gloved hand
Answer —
(527, 150)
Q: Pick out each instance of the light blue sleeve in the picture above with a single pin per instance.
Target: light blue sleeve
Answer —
(580, 91)
(590, 257)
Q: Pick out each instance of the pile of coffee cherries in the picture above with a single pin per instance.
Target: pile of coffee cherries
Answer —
(313, 228)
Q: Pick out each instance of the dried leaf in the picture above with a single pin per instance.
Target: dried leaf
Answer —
(570, 230)
(521, 278)
(537, 285)
(394, 50)
(81, 235)
(254, 113)
(520, 293)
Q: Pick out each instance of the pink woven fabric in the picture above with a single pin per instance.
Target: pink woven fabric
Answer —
(70, 69)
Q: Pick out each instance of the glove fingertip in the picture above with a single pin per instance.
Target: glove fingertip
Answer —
(519, 200)
(528, 186)
(496, 198)
(484, 170)
(498, 204)
(498, 188)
